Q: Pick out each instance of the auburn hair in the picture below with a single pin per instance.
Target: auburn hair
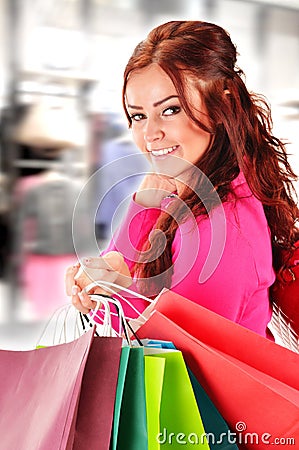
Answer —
(241, 125)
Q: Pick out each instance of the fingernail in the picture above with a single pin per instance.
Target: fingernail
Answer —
(74, 290)
(80, 295)
(86, 260)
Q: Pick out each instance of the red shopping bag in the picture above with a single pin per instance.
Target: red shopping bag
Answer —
(260, 406)
(40, 395)
(230, 338)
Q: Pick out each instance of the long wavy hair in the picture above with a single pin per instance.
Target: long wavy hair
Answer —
(241, 125)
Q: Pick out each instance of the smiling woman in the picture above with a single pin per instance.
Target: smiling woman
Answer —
(214, 216)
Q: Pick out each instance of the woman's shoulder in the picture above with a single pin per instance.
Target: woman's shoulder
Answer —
(242, 207)
(240, 188)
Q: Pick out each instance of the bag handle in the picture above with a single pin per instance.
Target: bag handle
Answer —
(111, 287)
(64, 325)
(106, 300)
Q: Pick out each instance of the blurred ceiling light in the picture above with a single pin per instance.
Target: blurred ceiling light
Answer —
(287, 98)
(293, 4)
(287, 103)
(59, 49)
(117, 3)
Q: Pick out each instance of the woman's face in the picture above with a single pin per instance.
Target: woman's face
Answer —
(161, 128)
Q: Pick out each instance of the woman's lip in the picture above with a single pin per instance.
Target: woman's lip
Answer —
(155, 155)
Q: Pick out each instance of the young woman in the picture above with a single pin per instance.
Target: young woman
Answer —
(210, 222)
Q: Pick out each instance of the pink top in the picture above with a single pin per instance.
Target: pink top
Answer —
(222, 261)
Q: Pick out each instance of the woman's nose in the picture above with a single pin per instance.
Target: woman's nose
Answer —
(153, 130)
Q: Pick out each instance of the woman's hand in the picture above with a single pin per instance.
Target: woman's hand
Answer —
(153, 189)
(110, 267)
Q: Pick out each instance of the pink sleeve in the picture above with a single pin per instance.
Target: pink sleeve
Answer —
(134, 229)
(128, 239)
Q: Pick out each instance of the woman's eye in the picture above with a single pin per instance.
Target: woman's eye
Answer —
(171, 110)
(137, 117)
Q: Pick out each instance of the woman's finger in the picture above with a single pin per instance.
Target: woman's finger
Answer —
(81, 300)
(110, 267)
(77, 302)
(86, 300)
(110, 261)
(70, 274)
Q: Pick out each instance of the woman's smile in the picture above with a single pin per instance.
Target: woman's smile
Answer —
(163, 151)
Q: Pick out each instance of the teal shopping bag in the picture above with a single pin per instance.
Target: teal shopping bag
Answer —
(218, 433)
(129, 423)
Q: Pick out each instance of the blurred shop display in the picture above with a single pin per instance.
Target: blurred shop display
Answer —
(44, 155)
(4, 223)
(43, 245)
(51, 123)
(60, 108)
(119, 171)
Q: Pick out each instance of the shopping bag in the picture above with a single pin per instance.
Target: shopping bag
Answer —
(61, 396)
(129, 426)
(216, 429)
(230, 338)
(173, 416)
(39, 394)
(93, 423)
(258, 407)
(154, 373)
(124, 358)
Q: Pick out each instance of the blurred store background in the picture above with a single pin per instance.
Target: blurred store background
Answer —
(61, 121)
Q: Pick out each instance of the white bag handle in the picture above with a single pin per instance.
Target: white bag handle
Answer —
(66, 324)
(63, 326)
(108, 286)
(133, 323)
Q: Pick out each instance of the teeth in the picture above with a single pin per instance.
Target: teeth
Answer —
(163, 151)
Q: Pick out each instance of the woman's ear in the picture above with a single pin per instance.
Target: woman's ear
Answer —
(226, 91)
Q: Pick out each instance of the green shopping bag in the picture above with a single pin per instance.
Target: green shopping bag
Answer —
(129, 423)
(154, 376)
(173, 417)
(216, 428)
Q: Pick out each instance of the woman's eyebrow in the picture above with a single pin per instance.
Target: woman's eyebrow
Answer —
(164, 100)
(158, 103)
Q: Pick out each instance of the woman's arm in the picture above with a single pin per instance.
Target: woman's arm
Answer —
(118, 259)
